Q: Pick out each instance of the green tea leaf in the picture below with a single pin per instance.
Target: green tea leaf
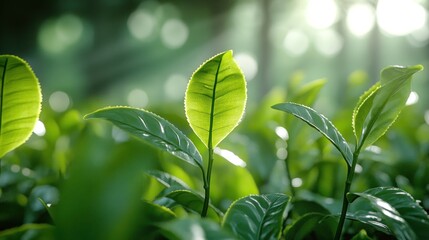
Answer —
(193, 202)
(215, 98)
(257, 216)
(193, 229)
(20, 102)
(317, 225)
(321, 124)
(378, 108)
(398, 210)
(152, 129)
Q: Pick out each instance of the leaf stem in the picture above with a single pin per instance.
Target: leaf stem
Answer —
(350, 175)
(289, 177)
(207, 184)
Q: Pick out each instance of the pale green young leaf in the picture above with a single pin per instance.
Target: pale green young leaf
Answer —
(257, 216)
(20, 102)
(379, 107)
(152, 129)
(321, 124)
(397, 210)
(215, 98)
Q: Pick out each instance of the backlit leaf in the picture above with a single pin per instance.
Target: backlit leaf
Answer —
(321, 124)
(20, 102)
(257, 216)
(378, 108)
(215, 98)
(152, 129)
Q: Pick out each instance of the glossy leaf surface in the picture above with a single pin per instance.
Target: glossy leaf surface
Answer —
(20, 102)
(152, 129)
(398, 210)
(194, 229)
(321, 124)
(257, 216)
(215, 98)
(378, 108)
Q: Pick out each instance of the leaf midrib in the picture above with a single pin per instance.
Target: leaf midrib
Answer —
(210, 140)
(3, 79)
(265, 216)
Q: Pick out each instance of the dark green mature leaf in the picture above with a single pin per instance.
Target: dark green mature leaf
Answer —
(378, 108)
(152, 129)
(321, 124)
(194, 229)
(20, 102)
(257, 216)
(396, 209)
(318, 225)
(215, 98)
(193, 202)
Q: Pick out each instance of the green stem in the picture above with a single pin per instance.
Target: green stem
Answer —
(289, 177)
(350, 175)
(207, 184)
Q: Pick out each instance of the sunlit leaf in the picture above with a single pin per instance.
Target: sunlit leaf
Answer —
(20, 102)
(152, 129)
(257, 216)
(398, 210)
(194, 229)
(171, 183)
(316, 225)
(193, 202)
(215, 98)
(321, 124)
(378, 108)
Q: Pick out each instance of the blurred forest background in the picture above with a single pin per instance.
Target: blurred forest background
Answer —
(142, 53)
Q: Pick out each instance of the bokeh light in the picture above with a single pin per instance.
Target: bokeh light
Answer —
(141, 24)
(39, 128)
(329, 42)
(248, 64)
(321, 14)
(137, 98)
(175, 86)
(400, 17)
(59, 101)
(412, 99)
(57, 35)
(296, 42)
(174, 33)
(360, 18)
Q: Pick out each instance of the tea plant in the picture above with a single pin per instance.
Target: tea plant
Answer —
(393, 211)
(102, 199)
